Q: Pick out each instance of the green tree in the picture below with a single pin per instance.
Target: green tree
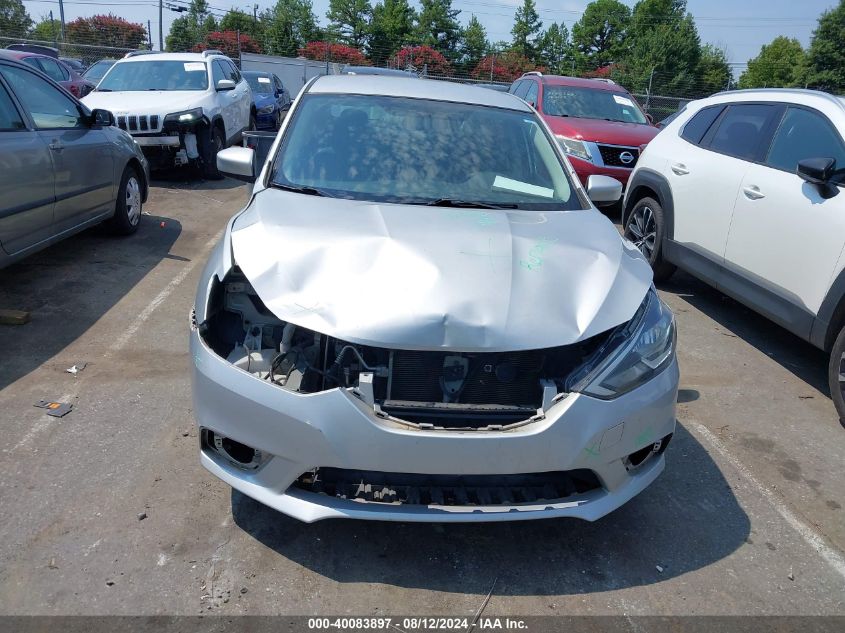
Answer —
(526, 30)
(190, 29)
(474, 44)
(437, 26)
(290, 25)
(237, 20)
(780, 64)
(390, 29)
(555, 50)
(14, 20)
(47, 30)
(714, 74)
(664, 51)
(599, 36)
(826, 57)
(350, 20)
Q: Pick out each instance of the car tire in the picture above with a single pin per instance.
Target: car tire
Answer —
(645, 227)
(128, 208)
(836, 368)
(214, 143)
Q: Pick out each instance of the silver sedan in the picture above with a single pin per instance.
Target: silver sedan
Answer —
(63, 168)
(421, 316)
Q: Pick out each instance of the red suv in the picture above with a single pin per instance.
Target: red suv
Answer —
(598, 123)
(56, 70)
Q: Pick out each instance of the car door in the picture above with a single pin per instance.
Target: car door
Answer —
(228, 98)
(82, 154)
(705, 167)
(243, 98)
(26, 180)
(786, 237)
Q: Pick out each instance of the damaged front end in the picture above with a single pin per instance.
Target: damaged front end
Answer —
(176, 139)
(426, 389)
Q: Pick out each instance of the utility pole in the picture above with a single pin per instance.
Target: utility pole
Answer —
(492, 63)
(150, 34)
(255, 15)
(160, 25)
(62, 16)
(53, 29)
(648, 94)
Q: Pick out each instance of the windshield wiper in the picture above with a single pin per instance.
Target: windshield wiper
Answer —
(464, 204)
(308, 191)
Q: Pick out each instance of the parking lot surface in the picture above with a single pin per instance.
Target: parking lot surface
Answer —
(107, 511)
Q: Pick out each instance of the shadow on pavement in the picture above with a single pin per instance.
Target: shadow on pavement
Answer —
(688, 519)
(69, 286)
(796, 355)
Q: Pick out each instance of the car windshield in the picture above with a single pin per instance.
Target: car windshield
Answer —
(590, 103)
(156, 75)
(97, 71)
(260, 84)
(419, 151)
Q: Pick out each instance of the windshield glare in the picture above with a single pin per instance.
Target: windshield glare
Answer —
(590, 103)
(156, 75)
(396, 149)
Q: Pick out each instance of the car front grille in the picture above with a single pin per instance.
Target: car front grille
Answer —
(612, 156)
(138, 122)
(447, 490)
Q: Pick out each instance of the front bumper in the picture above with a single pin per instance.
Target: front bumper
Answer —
(585, 169)
(335, 429)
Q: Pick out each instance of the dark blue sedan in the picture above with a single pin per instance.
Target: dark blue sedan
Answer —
(271, 99)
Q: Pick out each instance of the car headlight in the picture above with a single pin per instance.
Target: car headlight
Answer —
(634, 354)
(267, 109)
(574, 147)
(188, 117)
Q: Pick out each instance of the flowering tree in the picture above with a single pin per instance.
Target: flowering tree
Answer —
(424, 57)
(506, 66)
(338, 53)
(106, 30)
(227, 42)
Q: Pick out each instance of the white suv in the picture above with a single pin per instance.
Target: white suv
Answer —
(745, 191)
(181, 108)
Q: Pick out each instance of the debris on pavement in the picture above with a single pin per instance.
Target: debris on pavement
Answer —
(659, 569)
(13, 317)
(78, 367)
(790, 575)
(142, 516)
(55, 409)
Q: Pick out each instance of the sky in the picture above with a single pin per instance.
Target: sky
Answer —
(740, 27)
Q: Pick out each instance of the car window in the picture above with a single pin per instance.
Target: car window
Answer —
(522, 89)
(10, 118)
(741, 130)
(231, 70)
(53, 69)
(514, 87)
(591, 103)
(152, 74)
(48, 106)
(531, 95)
(260, 84)
(376, 148)
(804, 134)
(697, 126)
(217, 71)
(33, 61)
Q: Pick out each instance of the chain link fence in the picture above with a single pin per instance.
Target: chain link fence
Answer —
(86, 54)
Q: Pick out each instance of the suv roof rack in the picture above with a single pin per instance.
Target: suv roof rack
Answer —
(213, 51)
(136, 53)
(533, 72)
(604, 79)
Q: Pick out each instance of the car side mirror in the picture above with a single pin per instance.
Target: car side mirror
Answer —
(816, 171)
(102, 117)
(225, 84)
(603, 189)
(649, 118)
(237, 162)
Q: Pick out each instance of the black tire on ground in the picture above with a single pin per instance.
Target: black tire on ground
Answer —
(214, 142)
(836, 368)
(645, 227)
(127, 212)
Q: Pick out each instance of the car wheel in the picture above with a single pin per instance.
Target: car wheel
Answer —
(836, 374)
(214, 144)
(645, 227)
(127, 212)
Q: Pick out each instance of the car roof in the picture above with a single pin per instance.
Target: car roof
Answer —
(577, 82)
(18, 54)
(170, 57)
(381, 85)
(788, 95)
(375, 70)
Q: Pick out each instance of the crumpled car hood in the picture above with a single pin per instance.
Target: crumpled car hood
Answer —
(415, 277)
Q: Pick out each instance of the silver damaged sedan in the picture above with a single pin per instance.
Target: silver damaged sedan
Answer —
(420, 316)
